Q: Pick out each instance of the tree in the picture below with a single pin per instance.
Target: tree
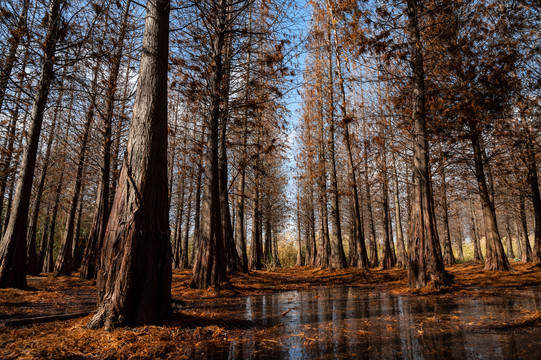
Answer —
(425, 265)
(135, 286)
(13, 243)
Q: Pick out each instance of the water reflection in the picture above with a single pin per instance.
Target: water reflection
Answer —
(328, 323)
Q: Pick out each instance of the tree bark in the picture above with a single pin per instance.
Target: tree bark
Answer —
(425, 265)
(495, 256)
(210, 265)
(338, 257)
(90, 264)
(13, 243)
(135, 286)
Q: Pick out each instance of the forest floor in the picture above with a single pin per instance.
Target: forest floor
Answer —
(195, 326)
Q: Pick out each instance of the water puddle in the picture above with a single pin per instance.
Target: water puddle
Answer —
(349, 323)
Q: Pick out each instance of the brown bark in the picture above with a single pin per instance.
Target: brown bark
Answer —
(425, 265)
(90, 264)
(387, 259)
(135, 286)
(495, 258)
(184, 264)
(13, 243)
(510, 251)
(338, 258)
(536, 199)
(210, 265)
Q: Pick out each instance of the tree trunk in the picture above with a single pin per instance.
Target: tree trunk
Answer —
(510, 251)
(135, 286)
(448, 257)
(13, 243)
(211, 265)
(387, 259)
(7, 156)
(64, 260)
(536, 199)
(48, 263)
(477, 253)
(184, 264)
(338, 257)
(90, 264)
(460, 239)
(256, 251)
(495, 256)
(526, 248)
(401, 251)
(9, 61)
(425, 265)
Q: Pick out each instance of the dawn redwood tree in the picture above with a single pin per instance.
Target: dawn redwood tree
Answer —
(90, 264)
(135, 286)
(425, 265)
(13, 243)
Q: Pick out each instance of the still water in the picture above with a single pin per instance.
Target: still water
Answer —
(349, 323)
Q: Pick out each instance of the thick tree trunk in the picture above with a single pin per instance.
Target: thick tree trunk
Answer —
(495, 256)
(425, 265)
(135, 286)
(211, 265)
(64, 260)
(90, 264)
(536, 199)
(13, 243)
(338, 257)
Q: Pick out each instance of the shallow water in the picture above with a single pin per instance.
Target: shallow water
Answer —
(343, 322)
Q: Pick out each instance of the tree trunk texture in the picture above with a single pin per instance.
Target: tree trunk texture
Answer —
(13, 243)
(210, 266)
(459, 239)
(495, 256)
(533, 180)
(90, 264)
(134, 285)
(256, 251)
(425, 265)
